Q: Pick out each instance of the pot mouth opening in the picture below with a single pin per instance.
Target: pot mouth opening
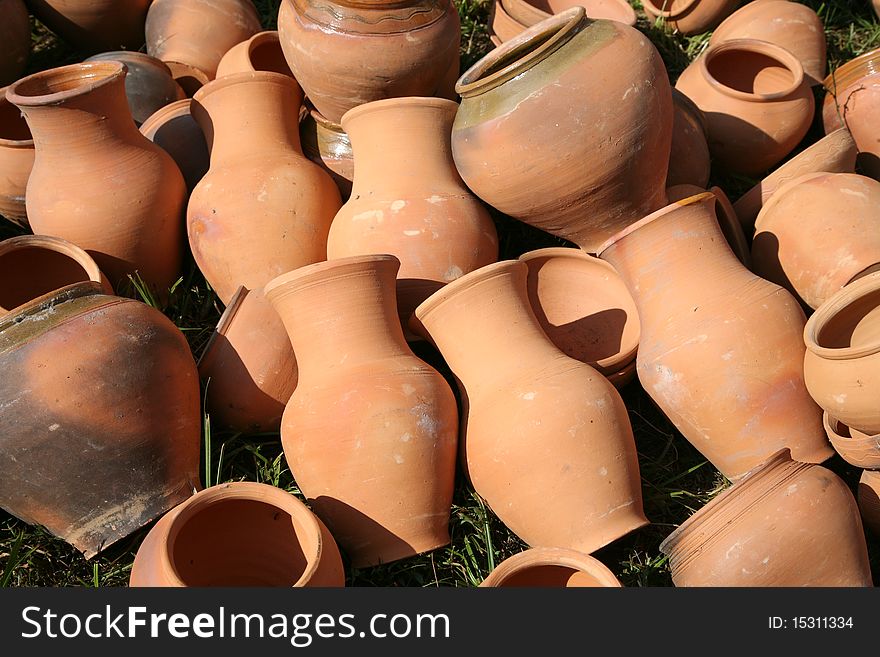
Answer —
(471, 279)
(449, 107)
(170, 111)
(320, 272)
(668, 8)
(551, 567)
(14, 130)
(244, 77)
(847, 325)
(265, 54)
(750, 69)
(59, 84)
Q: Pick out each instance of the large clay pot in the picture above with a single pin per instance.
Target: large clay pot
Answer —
(859, 449)
(95, 25)
(262, 52)
(502, 26)
(724, 213)
(869, 500)
(239, 534)
(817, 233)
(346, 53)
(842, 363)
(519, 140)
(370, 433)
(786, 524)
(534, 416)
(97, 181)
(15, 35)
(792, 25)
(756, 101)
(530, 12)
(175, 130)
(16, 161)
(262, 209)
(408, 199)
(720, 353)
(689, 161)
(326, 144)
(551, 567)
(101, 423)
(690, 16)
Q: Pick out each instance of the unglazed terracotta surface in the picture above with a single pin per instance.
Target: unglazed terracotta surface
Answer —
(502, 25)
(95, 25)
(724, 213)
(15, 35)
(530, 12)
(551, 567)
(262, 52)
(175, 130)
(690, 16)
(689, 161)
(859, 449)
(326, 144)
(16, 161)
(869, 500)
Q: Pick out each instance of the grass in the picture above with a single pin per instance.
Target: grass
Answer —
(676, 479)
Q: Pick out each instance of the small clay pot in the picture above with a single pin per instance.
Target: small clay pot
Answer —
(95, 25)
(262, 52)
(757, 103)
(689, 162)
(785, 524)
(16, 161)
(842, 363)
(551, 568)
(239, 534)
(175, 130)
(326, 144)
(15, 35)
(869, 500)
(857, 448)
(530, 12)
(690, 16)
(724, 213)
(502, 26)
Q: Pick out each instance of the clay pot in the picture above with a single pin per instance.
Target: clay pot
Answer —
(724, 213)
(502, 26)
(835, 153)
(193, 35)
(690, 16)
(262, 52)
(584, 308)
(530, 12)
(720, 353)
(16, 161)
(249, 365)
(346, 53)
(370, 432)
(785, 524)
(551, 567)
(101, 423)
(534, 416)
(95, 25)
(97, 181)
(326, 144)
(175, 130)
(792, 25)
(149, 85)
(756, 103)
(869, 500)
(842, 363)
(689, 157)
(239, 534)
(15, 35)
(859, 449)
(521, 108)
(817, 233)
(35, 265)
(262, 209)
(408, 199)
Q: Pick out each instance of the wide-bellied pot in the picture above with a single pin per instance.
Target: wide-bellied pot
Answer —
(519, 140)
(551, 567)
(326, 144)
(262, 52)
(869, 499)
(720, 353)
(529, 12)
(857, 448)
(724, 213)
(239, 534)
(689, 161)
(690, 16)
(175, 130)
(95, 25)
(16, 161)
(15, 35)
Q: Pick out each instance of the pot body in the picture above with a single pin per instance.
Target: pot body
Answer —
(262, 52)
(551, 567)
(326, 144)
(689, 161)
(856, 448)
(530, 12)
(690, 16)
(95, 25)
(16, 161)
(502, 25)
(175, 130)
(869, 500)
(15, 35)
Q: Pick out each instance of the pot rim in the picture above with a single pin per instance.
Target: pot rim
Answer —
(322, 121)
(392, 103)
(784, 189)
(849, 446)
(832, 307)
(666, 13)
(258, 40)
(92, 75)
(550, 556)
(244, 77)
(316, 272)
(121, 55)
(865, 64)
(771, 50)
(164, 114)
(50, 299)
(470, 279)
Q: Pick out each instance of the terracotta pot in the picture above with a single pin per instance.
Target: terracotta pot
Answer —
(197, 33)
(408, 199)
(370, 432)
(249, 365)
(842, 363)
(786, 524)
(530, 12)
(239, 534)
(584, 307)
(869, 500)
(175, 130)
(16, 161)
(550, 423)
(262, 52)
(521, 108)
(792, 25)
(835, 153)
(551, 567)
(263, 208)
(101, 423)
(690, 16)
(326, 144)
(149, 85)
(859, 449)
(720, 353)
(724, 213)
(95, 25)
(35, 265)
(190, 78)
(817, 233)
(346, 53)
(756, 103)
(689, 158)
(15, 35)
(97, 181)
(502, 25)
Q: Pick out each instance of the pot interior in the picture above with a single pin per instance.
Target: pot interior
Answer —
(750, 72)
(12, 125)
(65, 78)
(550, 576)
(518, 53)
(855, 325)
(27, 273)
(268, 56)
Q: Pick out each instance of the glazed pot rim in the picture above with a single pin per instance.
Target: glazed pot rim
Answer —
(830, 308)
(389, 103)
(307, 274)
(666, 13)
(243, 77)
(51, 299)
(855, 68)
(844, 445)
(771, 50)
(550, 556)
(469, 280)
(93, 75)
(172, 110)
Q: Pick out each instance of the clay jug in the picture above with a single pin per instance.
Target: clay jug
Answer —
(408, 200)
(530, 12)
(502, 26)
(101, 423)
(97, 181)
(551, 567)
(95, 25)
(842, 363)
(856, 448)
(175, 130)
(263, 208)
(346, 53)
(262, 52)
(370, 432)
(15, 35)
(785, 524)
(16, 161)
(690, 16)
(534, 416)
(689, 162)
(756, 101)
(239, 534)
(869, 500)
(326, 144)
(522, 108)
(724, 213)
(720, 353)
